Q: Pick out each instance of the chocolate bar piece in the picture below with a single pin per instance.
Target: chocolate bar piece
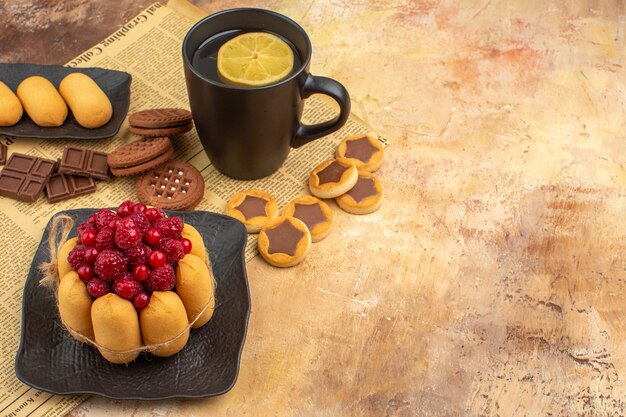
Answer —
(85, 163)
(3, 153)
(24, 176)
(63, 187)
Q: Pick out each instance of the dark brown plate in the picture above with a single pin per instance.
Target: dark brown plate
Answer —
(51, 360)
(115, 84)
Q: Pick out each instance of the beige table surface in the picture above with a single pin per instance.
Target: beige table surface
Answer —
(492, 281)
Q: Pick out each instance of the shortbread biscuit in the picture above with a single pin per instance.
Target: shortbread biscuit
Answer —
(75, 306)
(253, 208)
(332, 178)
(89, 104)
(365, 197)
(284, 241)
(140, 156)
(195, 286)
(10, 107)
(364, 150)
(42, 102)
(314, 213)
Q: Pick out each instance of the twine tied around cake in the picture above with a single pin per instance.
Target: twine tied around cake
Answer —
(50, 278)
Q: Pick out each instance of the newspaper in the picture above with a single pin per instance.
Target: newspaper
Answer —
(149, 48)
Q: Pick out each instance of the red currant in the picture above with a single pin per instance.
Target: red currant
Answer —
(141, 300)
(141, 272)
(152, 214)
(91, 254)
(88, 238)
(157, 259)
(85, 272)
(153, 236)
(186, 245)
(124, 210)
(139, 208)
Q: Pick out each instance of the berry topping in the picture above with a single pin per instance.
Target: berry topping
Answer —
(88, 237)
(141, 300)
(76, 257)
(137, 254)
(105, 239)
(153, 236)
(125, 209)
(127, 234)
(126, 287)
(157, 259)
(186, 245)
(83, 227)
(92, 219)
(141, 221)
(110, 264)
(113, 224)
(104, 217)
(170, 227)
(141, 272)
(172, 249)
(153, 214)
(91, 254)
(85, 272)
(139, 208)
(97, 288)
(161, 279)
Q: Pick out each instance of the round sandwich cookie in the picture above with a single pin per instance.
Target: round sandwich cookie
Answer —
(284, 241)
(364, 150)
(140, 156)
(314, 213)
(365, 197)
(333, 178)
(253, 208)
(160, 122)
(174, 185)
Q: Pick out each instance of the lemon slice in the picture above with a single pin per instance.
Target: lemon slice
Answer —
(254, 59)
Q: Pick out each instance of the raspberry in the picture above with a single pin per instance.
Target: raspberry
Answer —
(126, 287)
(141, 300)
(127, 234)
(91, 254)
(172, 249)
(104, 217)
(110, 264)
(125, 209)
(92, 220)
(137, 255)
(170, 227)
(105, 239)
(161, 279)
(85, 272)
(141, 221)
(76, 257)
(97, 288)
(186, 245)
(157, 259)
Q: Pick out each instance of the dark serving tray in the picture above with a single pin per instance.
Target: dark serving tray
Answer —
(115, 84)
(51, 360)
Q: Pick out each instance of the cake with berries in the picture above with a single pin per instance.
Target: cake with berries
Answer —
(134, 279)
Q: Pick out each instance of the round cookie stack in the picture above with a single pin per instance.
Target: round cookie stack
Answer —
(164, 183)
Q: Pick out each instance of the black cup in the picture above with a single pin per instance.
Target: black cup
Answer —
(247, 132)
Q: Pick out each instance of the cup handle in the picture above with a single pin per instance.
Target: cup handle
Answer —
(330, 87)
